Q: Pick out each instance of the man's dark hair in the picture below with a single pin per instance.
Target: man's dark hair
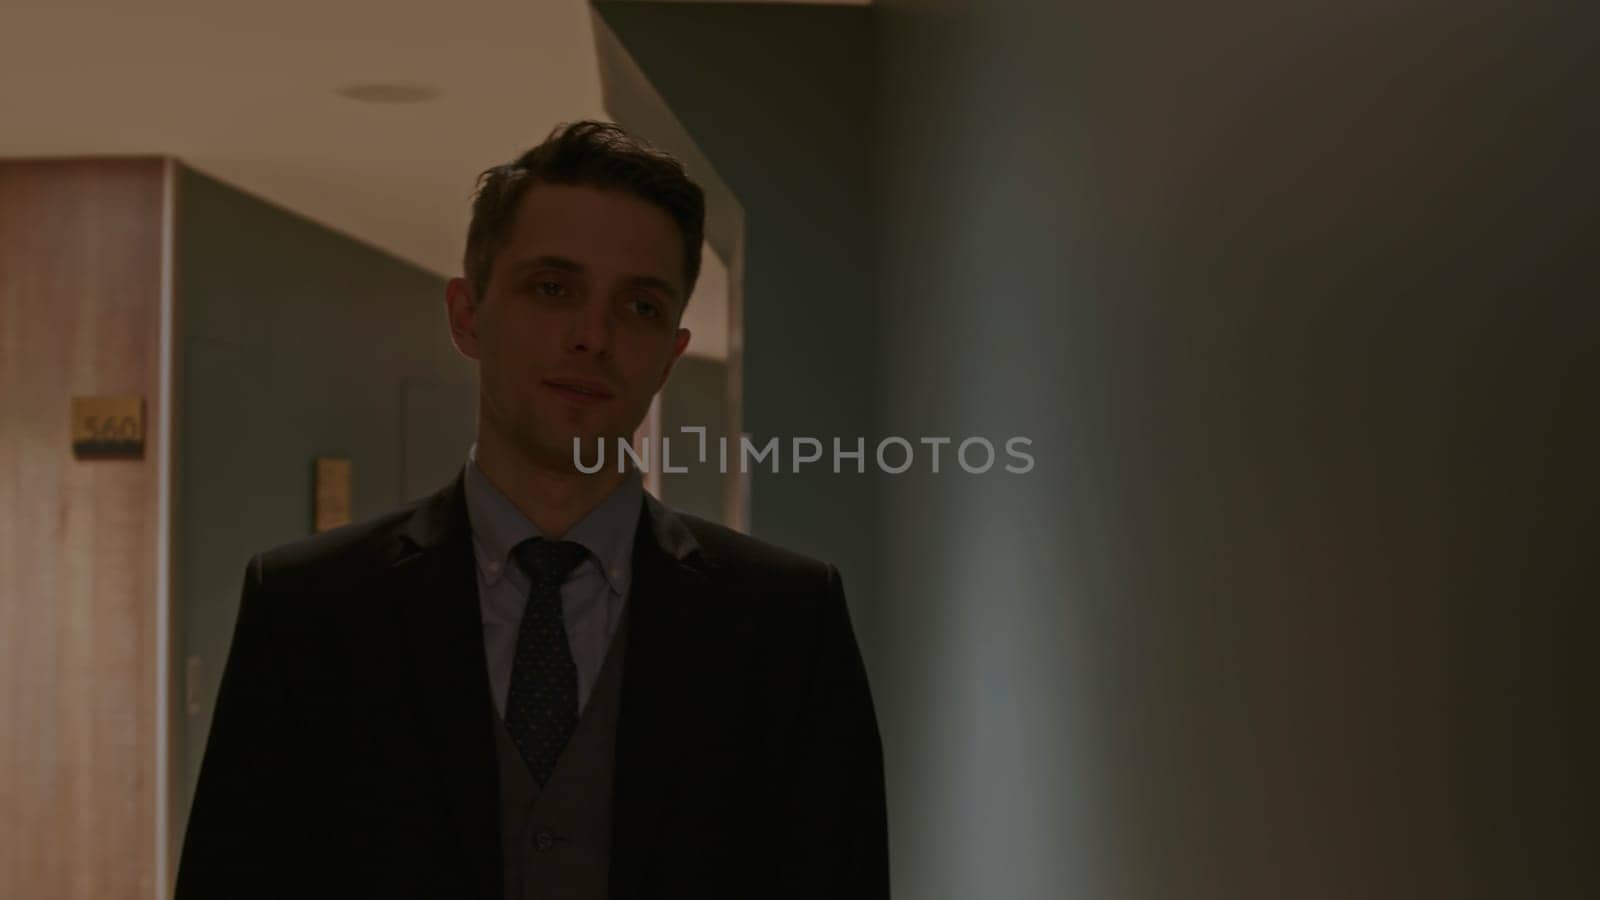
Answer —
(592, 154)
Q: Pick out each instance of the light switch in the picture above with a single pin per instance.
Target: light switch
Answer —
(332, 493)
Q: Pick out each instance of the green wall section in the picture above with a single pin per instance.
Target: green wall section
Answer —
(778, 98)
(298, 342)
(695, 397)
(1296, 304)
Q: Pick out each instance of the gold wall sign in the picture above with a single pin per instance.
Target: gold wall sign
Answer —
(108, 427)
(332, 493)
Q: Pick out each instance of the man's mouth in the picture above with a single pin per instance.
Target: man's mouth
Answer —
(580, 389)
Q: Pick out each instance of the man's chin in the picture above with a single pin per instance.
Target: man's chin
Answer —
(580, 453)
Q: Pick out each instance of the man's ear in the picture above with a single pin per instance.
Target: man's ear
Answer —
(679, 344)
(461, 305)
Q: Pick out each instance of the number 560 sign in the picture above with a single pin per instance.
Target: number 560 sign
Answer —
(108, 426)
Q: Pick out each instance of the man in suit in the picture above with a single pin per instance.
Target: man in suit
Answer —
(541, 682)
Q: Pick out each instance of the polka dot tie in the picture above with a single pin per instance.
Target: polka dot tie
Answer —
(542, 704)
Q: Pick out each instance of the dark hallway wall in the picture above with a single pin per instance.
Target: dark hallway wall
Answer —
(1298, 304)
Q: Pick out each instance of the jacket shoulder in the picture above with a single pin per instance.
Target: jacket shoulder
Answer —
(749, 559)
(348, 549)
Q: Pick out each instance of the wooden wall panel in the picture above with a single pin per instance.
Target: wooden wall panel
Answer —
(80, 313)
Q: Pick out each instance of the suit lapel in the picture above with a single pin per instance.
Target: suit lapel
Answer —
(665, 605)
(436, 588)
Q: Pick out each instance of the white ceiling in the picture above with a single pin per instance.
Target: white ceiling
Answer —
(249, 94)
(246, 93)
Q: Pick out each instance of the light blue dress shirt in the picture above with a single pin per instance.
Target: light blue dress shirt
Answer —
(592, 597)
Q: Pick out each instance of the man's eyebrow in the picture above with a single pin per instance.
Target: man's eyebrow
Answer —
(569, 265)
(652, 281)
(547, 262)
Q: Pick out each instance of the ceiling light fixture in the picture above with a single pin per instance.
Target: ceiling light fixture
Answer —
(388, 93)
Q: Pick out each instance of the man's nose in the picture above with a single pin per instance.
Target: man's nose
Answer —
(591, 329)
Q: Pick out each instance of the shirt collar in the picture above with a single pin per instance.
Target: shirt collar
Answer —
(607, 531)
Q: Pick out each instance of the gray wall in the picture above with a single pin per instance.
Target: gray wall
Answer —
(695, 397)
(1298, 302)
(775, 97)
(298, 342)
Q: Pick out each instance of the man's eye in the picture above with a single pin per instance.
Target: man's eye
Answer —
(550, 288)
(646, 308)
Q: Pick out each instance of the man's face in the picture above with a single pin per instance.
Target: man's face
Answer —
(578, 326)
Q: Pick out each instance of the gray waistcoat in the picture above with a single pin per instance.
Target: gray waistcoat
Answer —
(556, 840)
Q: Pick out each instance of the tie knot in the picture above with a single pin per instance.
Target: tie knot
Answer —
(548, 562)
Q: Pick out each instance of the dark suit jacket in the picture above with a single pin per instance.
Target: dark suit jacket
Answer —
(352, 750)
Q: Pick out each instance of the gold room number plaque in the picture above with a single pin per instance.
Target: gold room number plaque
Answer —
(108, 427)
